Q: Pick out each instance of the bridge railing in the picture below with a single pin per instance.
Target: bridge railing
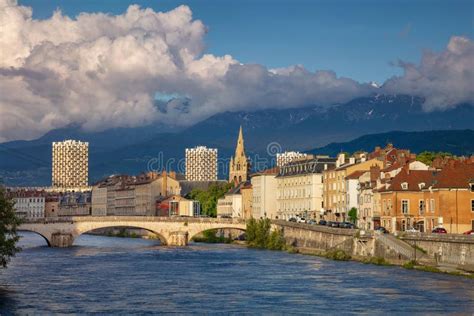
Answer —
(69, 219)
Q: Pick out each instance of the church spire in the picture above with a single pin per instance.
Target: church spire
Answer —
(240, 149)
(239, 165)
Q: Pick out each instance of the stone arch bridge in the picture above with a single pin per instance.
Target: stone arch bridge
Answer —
(61, 232)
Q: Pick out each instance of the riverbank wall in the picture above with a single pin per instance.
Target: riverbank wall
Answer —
(427, 249)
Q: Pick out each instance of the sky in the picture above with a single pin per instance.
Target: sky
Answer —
(105, 64)
(356, 39)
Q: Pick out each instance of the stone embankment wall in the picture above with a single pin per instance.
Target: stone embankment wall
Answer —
(445, 249)
(322, 238)
(431, 249)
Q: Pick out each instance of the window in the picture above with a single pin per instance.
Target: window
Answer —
(404, 186)
(405, 206)
(472, 205)
(421, 206)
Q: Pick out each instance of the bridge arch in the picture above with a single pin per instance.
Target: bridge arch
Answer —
(163, 239)
(194, 232)
(48, 242)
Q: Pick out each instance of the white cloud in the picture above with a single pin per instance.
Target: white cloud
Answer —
(444, 79)
(102, 71)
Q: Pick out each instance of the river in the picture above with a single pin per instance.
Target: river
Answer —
(120, 275)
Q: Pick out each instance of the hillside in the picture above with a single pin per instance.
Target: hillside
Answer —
(457, 142)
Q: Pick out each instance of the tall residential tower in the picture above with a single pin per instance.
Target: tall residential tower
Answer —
(70, 164)
(201, 164)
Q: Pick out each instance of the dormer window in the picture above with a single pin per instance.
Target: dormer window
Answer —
(471, 185)
(421, 185)
(404, 186)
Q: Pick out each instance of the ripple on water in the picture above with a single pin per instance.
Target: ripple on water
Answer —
(118, 275)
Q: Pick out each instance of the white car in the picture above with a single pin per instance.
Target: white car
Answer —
(301, 220)
(412, 230)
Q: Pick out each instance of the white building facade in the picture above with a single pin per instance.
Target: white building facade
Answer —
(300, 188)
(29, 206)
(264, 194)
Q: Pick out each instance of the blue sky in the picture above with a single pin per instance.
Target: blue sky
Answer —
(357, 39)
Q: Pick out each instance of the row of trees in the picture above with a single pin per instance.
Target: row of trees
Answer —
(8, 226)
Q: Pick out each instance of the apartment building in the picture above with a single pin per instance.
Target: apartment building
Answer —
(289, 156)
(450, 198)
(29, 204)
(75, 204)
(300, 188)
(70, 165)
(368, 212)
(335, 186)
(264, 193)
(231, 205)
(247, 200)
(201, 164)
(133, 195)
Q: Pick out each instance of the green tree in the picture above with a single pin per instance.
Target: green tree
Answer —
(352, 214)
(260, 235)
(208, 198)
(427, 157)
(8, 225)
(250, 232)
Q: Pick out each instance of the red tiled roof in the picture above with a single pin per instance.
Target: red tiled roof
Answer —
(356, 174)
(413, 178)
(455, 175)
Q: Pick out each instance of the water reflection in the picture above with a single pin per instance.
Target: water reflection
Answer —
(119, 275)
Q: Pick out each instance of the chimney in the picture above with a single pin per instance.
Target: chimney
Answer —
(341, 158)
(352, 160)
(164, 183)
(374, 172)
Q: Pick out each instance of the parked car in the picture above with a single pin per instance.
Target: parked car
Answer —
(469, 232)
(344, 225)
(311, 222)
(322, 222)
(412, 230)
(439, 230)
(381, 229)
(301, 220)
(351, 226)
(292, 219)
(335, 224)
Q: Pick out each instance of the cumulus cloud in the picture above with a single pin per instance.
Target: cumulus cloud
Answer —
(444, 79)
(101, 71)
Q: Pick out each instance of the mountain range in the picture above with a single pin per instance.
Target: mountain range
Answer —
(313, 128)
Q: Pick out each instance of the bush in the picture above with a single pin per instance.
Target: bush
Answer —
(380, 261)
(410, 264)
(338, 254)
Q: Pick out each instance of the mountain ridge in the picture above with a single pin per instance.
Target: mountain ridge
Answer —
(123, 150)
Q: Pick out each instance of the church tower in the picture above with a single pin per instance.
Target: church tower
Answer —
(239, 164)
